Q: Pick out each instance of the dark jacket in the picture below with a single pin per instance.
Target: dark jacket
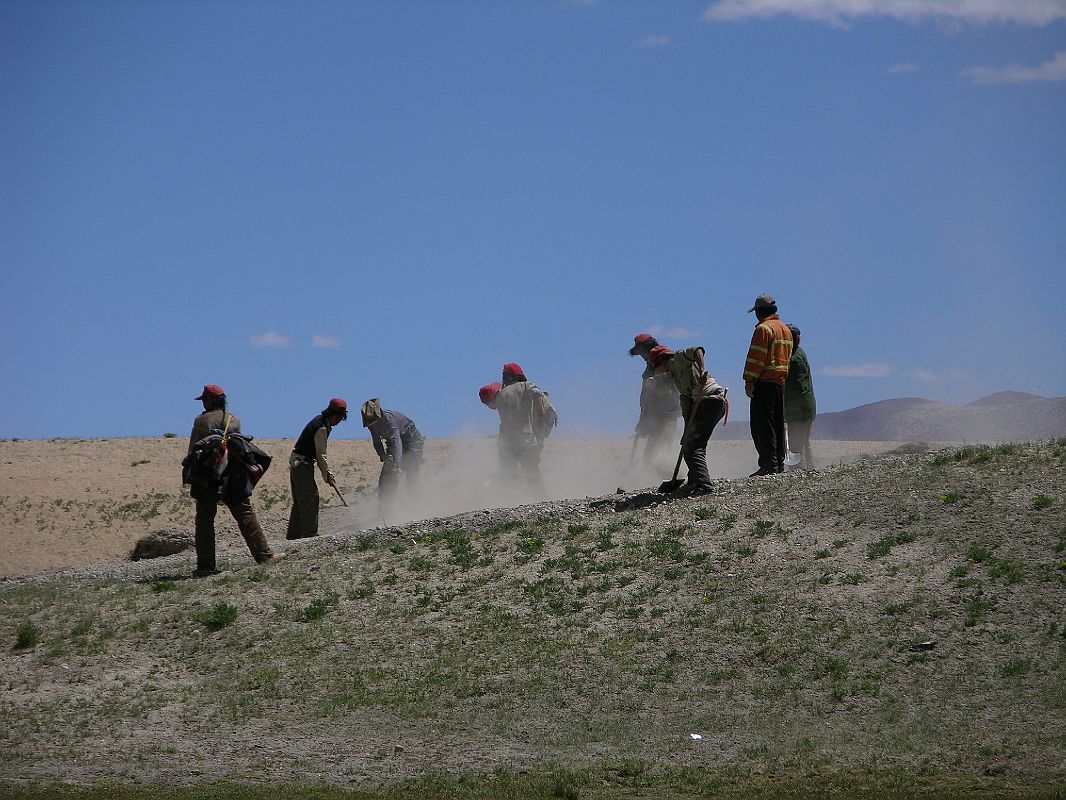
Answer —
(224, 471)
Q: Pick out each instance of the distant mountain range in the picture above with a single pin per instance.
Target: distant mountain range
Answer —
(1004, 416)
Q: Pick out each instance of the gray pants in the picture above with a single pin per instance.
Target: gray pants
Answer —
(389, 479)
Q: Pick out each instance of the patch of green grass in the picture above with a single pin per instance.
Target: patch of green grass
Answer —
(823, 554)
(576, 529)
(703, 512)
(762, 528)
(1016, 668)
(318, 608)
(27, 635)
(462, 548)
(1009, 571)
(666, 548)
(883, 546)
(976, 609)
(163, 585)
(605, 542)
(420, 564)
(853, 579)
(1042, 501)
(949, 498)
(980, 554)
(362, 591)
(219, 616)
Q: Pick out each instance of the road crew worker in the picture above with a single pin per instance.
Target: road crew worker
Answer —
(217, 418)
(659, 408)
(399, 446)
(696, 390)
(765, 373)
(310, 449)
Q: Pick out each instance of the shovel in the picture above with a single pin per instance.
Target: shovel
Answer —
(666, 487)
(341, 496)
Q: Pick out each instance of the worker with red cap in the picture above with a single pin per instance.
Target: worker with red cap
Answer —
(310, 450)
(214, 419)
(703, 404)
(657, 423)
(526, 419)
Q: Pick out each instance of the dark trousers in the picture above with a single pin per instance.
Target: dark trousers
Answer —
(247, 522)
(694, 442)
(768, 425)
(303, 518)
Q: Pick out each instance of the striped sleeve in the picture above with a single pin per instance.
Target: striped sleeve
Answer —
(758, 353)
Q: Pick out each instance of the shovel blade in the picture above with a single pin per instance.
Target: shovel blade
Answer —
(667, 487)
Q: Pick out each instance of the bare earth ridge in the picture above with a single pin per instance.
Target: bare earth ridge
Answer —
(892, 613)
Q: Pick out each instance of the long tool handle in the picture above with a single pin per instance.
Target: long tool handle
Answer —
(633, 451)
(341, 496)
(681, 452)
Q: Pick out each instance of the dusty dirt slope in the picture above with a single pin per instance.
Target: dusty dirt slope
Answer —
(893, 613)
(66, 502)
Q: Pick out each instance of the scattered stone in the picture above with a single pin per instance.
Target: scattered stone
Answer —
(162, 542)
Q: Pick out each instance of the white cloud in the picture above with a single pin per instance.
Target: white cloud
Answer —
(867, 370)
(840, 13)
(903, 69)
(270, 339)
(1049, 71)
(929, 376)
(325, 341)
(677, 332)
(655, 40)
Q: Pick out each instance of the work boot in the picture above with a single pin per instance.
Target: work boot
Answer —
(205, 572)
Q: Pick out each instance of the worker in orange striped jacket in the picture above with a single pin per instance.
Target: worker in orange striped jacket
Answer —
(765, 372)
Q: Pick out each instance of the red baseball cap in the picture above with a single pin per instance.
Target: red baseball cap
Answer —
(657, 355)
(642, 341)
(488, 392)
(512, 371)
(211, 390)
(337, 406)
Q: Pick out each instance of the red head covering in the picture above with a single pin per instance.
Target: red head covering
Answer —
(659, 354)
(337, 406)
(488, 392)
(211, 390)
(512, 371)
(641, 338)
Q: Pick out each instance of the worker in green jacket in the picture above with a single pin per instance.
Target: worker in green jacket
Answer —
(800, 405)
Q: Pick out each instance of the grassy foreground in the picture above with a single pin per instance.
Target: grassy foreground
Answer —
(624, 782)
(887, 629)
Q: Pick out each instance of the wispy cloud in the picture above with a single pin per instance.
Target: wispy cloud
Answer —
(929, 376)
(903, 69)
(325, 341)
(655, 40)
(840, 13)
(270, 339)
(867, 370)
(1048, 72)
(677, 332)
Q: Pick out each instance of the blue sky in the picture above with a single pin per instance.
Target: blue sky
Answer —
(298, 200)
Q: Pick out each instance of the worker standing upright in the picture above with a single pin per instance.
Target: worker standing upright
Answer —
(800, 406)
(217, 418)
(399, 446)
(659, 408)
(765, 373)
(309, 451)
